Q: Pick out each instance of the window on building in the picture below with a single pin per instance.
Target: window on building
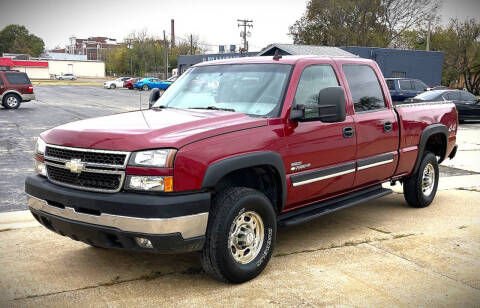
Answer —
(399, 74)
(314, 78)
(364, 87)
(405, 84)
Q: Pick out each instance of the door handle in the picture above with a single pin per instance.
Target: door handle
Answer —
(348, 132)
(387, 126)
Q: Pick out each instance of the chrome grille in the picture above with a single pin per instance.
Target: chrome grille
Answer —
(103, 171)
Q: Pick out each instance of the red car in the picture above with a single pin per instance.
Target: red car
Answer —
(15, 88)
(234, 148)
(129, 83)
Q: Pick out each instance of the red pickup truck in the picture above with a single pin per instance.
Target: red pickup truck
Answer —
(231, 150)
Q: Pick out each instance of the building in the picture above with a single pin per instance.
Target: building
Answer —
(93, 48)
(184, 62)
(49, 68)
(424, 65)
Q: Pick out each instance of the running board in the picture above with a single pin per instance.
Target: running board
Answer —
(313, 211)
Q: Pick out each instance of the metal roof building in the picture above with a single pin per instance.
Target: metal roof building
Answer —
(291, 49)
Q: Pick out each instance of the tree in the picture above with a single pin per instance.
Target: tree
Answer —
(17, 39)
(363, 22)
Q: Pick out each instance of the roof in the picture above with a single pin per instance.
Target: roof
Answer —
(6, 62)
(30, 63)
(314, 50)
(267, 60)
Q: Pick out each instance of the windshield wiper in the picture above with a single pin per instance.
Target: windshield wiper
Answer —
(213, 108)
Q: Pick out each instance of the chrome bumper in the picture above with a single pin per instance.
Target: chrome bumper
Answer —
(188, 226)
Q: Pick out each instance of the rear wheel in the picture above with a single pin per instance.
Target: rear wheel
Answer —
(11, 101)
(145, 88)
(113, 86)
(420, 188)
(240, 235)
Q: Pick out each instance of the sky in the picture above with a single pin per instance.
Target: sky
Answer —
(213, 21)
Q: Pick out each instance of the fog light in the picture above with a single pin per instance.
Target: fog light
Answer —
(143, 242)
(40, 168)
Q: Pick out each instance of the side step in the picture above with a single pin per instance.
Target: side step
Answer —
(313, 211)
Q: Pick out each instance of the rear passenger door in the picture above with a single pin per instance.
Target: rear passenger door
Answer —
(376, 125)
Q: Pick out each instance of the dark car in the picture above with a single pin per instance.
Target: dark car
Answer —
(15, 88)
(468, 105)
(403, 88)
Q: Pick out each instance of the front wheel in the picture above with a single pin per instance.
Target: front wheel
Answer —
(11, 101)
(113, 86)
(420, 188)
(240, 235)
(145, 88)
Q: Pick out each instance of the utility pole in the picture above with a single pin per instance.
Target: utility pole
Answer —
(166, 54)
(244, 23)
(428, 33)
(191, 44)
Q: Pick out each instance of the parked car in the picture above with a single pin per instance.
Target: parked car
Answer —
(152, 83)
(112, 84)
(233, 149)
(468, 105)
(403, 88)
(129, 83)
(66, 77)
(15, 88)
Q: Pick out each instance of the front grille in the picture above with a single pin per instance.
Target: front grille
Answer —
(85, 180)
(87, 156)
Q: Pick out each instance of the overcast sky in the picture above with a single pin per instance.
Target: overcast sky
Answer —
(214, 21)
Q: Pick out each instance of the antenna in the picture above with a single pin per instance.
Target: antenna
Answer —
(276, 56)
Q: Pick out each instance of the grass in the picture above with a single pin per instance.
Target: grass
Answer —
(78, 82)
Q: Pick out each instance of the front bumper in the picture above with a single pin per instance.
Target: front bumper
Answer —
(171, 223)
(28, 97)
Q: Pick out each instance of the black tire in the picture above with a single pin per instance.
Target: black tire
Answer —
(11, 101)
(412, 186)
(228, 207)
(145, 88)
(113, 86)
(461, 121)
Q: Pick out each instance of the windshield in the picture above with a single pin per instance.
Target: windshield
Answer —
(254, 89)
(428, 95)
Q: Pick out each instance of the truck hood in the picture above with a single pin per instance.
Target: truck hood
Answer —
(154, 128)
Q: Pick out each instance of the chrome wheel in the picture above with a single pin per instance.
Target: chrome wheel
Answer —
(12, 102)
(246, 237)
(428, 180)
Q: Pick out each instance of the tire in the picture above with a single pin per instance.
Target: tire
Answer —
(11, 101)
(230, 208)
(418, 193)
(145, 88)
(60, 78)
(113, 86)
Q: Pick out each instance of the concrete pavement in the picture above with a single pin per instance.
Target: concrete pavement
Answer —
(380, 253)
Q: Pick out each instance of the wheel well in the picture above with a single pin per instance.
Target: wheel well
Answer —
(263, 178)
(11, 93)
(437, 144)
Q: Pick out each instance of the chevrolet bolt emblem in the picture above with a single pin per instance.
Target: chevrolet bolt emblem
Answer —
(75, 165)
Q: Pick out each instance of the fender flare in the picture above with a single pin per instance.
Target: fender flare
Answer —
(223, 167)
(11, 92)
(427, 133)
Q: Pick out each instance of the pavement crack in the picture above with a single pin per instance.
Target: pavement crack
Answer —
(379, 230)
(420, 265)
(116, 280)
(346, 244)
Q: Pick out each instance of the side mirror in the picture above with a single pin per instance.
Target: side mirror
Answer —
(330, 108)
(153, 98)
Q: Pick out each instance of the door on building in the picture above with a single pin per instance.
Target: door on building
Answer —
(70, 68)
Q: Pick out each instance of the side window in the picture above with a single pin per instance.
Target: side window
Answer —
(465, 96)
(391, 84)
(364, 87)
(314, 78)
(420, 86)
(405, 84)
(454, 96)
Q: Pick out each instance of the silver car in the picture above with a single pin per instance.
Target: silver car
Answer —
(66, 77)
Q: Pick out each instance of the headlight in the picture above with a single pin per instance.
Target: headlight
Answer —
(149, 183)
(153, 158)
(40, 146)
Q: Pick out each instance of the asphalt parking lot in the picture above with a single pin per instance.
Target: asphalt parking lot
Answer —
(379, 253)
